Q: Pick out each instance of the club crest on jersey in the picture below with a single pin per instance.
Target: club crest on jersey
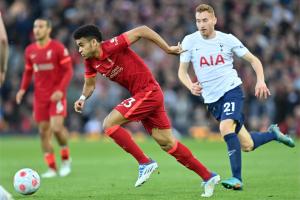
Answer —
(211, 60)
(49, 54)
(114, 41)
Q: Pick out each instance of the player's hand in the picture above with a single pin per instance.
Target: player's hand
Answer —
(19, 96)
(78, 105)
(175, 49)
(261, 90)
(56, 96)
(196, 89)
(2, 78)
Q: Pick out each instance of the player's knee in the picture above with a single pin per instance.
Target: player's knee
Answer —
(56, 128)
(107, 123)
(247, 147)
(227, 127)
(166, 145)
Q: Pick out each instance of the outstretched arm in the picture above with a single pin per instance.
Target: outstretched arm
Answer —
(147, 33)
(3, 51)
(88, 89)
(261, 89)
(184, 77)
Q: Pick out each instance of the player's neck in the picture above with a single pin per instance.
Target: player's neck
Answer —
(98, 52)
(210, 36)
(44, 42)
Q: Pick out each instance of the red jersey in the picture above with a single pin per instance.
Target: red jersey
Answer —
(120, 64)
(51, 66)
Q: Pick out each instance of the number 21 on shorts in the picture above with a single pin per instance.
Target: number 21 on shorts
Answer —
(128, 102)
(229, 108)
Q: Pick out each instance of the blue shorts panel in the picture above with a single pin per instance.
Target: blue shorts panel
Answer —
(229, 106)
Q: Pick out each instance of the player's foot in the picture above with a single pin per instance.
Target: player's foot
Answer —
(210, 184)
(49, 174)
(145, 171)
(280, 137)
(4, 195)
(232, 183)
(65, 168)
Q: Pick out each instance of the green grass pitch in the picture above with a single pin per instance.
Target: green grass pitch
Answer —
(103, 171)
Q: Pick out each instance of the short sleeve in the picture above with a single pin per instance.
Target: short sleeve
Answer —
(89, 70)
(115, 44)
(187, 55)
(237, 46)
(63, 54)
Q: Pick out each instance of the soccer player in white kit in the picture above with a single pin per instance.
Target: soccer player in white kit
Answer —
(211, 53)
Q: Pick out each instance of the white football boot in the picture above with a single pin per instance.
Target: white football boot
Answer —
(145, 171)
(65, 168)
(49, 174)
(209, 186)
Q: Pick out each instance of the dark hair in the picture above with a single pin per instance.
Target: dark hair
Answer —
(88, 31)
(48, 21)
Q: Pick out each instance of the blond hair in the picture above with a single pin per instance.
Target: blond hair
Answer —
(205, 7)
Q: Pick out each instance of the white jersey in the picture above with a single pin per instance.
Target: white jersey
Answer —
(212, 61)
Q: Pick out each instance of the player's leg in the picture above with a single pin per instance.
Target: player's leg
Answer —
(252, 140)
(45, 135)
(58, 112)
(185, 157)
(112, 128)
(227, 129)
(61, 135)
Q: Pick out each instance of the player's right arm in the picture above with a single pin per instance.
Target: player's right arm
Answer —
(3, 51)
(184, 77)
(88, 89)
(147, 33)
(26, 79)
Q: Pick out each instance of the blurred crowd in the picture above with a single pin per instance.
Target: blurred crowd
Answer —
(269, 28)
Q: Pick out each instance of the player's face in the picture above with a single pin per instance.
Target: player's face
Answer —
(86, 47)
(206, 22)
(41, 30)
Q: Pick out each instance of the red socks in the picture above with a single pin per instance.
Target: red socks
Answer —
(50, 160)
(186, 158)
(65, 153)
(125, 141)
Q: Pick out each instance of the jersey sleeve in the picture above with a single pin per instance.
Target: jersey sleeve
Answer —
(187, 55)
(237, 46)
(89, 70)
(63, 54)
(27, 74)
(115, 44)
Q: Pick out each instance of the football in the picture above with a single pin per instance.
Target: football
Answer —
(26, 181)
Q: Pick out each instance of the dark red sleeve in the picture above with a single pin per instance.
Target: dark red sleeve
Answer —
(66, 67)
(27, 74)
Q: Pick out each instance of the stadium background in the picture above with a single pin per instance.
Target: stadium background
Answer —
(269, 28)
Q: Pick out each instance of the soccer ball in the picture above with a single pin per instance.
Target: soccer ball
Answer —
(26, 181)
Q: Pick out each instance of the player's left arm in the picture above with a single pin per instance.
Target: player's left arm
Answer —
(66, 68)
(147, 33)
(261, 89)
(3, 51)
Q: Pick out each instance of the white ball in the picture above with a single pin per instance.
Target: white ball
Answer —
(26, 181)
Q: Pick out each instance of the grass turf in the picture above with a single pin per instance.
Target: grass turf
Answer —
(101, 170)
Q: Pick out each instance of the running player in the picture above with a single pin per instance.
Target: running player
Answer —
(211, 53)
(114, 60)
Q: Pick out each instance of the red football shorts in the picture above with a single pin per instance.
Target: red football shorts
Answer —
(147, 107)
(42, 111)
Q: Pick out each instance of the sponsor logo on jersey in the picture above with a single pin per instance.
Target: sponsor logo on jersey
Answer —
(211, 60)
(43, 67)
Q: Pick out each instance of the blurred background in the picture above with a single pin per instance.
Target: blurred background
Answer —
(269, 28)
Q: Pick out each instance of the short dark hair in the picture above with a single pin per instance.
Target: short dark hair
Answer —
(48, 21)
(88, 31)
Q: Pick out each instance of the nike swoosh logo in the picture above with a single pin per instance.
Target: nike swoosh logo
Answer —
(231, 152)
(229, 113)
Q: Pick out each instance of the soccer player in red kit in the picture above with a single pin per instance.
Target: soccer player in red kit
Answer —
(114, 60)
(51, 65)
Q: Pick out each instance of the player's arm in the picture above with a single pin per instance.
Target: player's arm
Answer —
(261, 89)
(88, 89)
(184, 77)
(3, 51)
(147, 33)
